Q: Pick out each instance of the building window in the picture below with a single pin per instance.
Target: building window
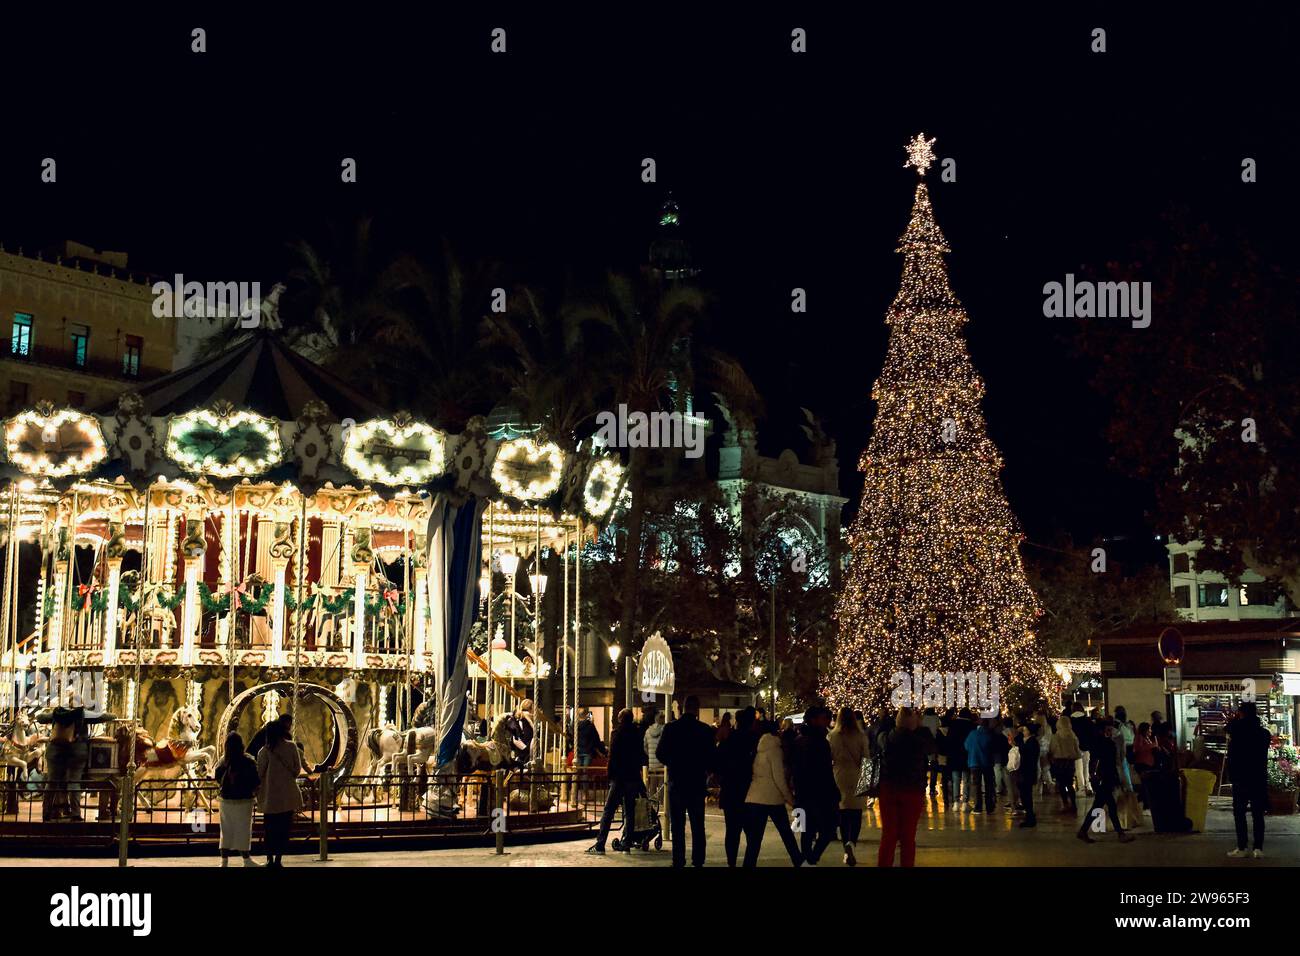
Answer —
(17, 395)
(80, 344)
(76, 399)
(131, 355)
(1262, 595)
(1182, 563)
(1183, 595)
(20, 343)
(1212, 595)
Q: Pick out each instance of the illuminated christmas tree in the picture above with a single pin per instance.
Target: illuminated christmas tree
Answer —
(936, 580)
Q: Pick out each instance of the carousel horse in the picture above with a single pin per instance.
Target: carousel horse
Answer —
(21, 745)
(383, 743)
(500, 752)
(176, 755)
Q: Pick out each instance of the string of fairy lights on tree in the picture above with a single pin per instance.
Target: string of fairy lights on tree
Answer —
(936, 578)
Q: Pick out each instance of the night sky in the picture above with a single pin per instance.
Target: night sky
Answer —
(788, 170)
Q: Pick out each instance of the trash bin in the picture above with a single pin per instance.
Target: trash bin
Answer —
(1200, 784)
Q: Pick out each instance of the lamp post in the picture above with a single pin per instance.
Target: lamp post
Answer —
(509, 565)
(614, 652)
(538, 584)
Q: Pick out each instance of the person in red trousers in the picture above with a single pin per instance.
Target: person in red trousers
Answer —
(902, 786)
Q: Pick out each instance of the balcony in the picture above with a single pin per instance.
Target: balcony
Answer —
(65, 358)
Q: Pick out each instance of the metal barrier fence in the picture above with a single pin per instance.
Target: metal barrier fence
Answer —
(371, 807)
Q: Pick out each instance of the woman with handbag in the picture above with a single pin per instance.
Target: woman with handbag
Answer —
(850, 758)
(768, 798)
(237, 774)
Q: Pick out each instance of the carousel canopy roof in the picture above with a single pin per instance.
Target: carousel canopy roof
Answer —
(260, 374)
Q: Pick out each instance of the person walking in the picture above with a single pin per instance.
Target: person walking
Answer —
(815, 791)
(626, 757)
(278, 766)
(979, 761)
(1001, 754)
(687, 750)
(959, 728)
(1248, 744)
(237, 774)
(1027, 742)
(1082, 728)
(932, 722)
(849, 747)
(589, 742)
(735, 772)
(1064, 752)
(768, 798)
(1104, 773)
(902, 787)
(66, 754)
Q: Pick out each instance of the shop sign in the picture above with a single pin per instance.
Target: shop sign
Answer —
(654, 671)
(1243, 687)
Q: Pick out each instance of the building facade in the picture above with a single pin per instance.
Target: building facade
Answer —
(1208, 596)
(79, 328)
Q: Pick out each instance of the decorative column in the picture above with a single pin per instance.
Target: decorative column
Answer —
(110, 616)
(362, 555)
(359, 616)
(421, 608)
(277, 611)
(192, 611)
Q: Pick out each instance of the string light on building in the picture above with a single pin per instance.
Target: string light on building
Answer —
(936, 579)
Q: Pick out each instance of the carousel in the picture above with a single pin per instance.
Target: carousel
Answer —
(253, 536)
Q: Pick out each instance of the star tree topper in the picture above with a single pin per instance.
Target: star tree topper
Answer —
(919, 153)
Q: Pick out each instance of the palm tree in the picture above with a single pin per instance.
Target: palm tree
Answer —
(547, 370)
(640, 329)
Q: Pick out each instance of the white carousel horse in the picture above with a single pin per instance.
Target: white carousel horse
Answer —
(175, 756)
(383, 743)
(21, 747)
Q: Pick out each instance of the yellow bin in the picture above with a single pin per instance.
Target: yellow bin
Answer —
(1200, 784)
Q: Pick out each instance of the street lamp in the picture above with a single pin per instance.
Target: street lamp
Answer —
(614, 651)
(509, 565)
(538, 584)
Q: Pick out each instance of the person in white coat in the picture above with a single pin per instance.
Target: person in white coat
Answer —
(654, 767)
(768, 798)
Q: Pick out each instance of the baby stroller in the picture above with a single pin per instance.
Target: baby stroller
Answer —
(644, 828)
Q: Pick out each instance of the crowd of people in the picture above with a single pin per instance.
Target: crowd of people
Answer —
(813, 782)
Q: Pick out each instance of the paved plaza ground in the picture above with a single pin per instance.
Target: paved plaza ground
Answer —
(945, 838)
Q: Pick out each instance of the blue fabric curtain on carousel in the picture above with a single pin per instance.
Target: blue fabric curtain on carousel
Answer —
(455, 533)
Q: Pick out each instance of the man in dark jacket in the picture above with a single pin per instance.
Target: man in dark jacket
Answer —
(816, 795)
(1248, 743)
(979, 761)
(1027, 741)
(736, 771)
(626, 757)
(589, 742)
(686, 749)
(957, 792)
(1104, 773)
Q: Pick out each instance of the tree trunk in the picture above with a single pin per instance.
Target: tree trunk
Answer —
(631, 588)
